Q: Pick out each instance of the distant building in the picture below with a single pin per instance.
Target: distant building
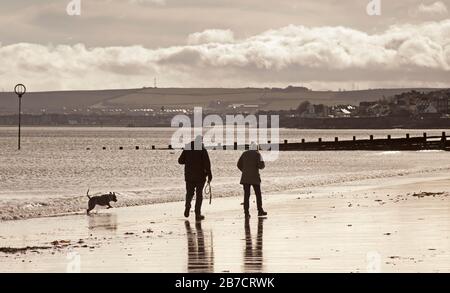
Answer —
(434, 102)
(315, 111)
(365, 108)
(343, 111)
(443, 104)
(431, 109)
(310, 112)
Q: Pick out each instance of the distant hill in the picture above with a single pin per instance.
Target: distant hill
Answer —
(155, 98)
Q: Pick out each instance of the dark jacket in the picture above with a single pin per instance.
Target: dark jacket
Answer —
(250, 163)
(197, 165)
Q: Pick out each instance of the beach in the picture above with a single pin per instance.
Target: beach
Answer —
(398, 224)
(135, 135)
(53, 171)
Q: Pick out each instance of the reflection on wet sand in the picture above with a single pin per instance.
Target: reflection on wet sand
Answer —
(103, 222)
(200, 255)
(253, 256)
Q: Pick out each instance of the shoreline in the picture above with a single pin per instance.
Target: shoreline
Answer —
(75, 206)
(286, 127)
(352, 227)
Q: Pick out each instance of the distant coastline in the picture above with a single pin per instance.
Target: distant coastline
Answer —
(175, 100)
(367, 123)
(61, 120)
(296, 107)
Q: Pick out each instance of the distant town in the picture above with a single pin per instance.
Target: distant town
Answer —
(410, 104)
(410, 109)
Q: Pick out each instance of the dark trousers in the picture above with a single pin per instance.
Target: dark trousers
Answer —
(257, 189)
(197, 189)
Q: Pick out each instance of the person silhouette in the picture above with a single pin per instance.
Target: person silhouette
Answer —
(200, 260)
(197, 167)
(253, 255)
(249, 164)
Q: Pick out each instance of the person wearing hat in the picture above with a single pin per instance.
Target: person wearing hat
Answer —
(249, 164)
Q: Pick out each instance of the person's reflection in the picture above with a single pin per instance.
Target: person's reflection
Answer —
(103, 222)
(200, 257)
(253, 256)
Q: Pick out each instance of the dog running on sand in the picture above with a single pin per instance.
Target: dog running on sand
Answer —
(102, 200)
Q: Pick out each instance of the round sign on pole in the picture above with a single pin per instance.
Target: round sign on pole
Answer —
(20, 90)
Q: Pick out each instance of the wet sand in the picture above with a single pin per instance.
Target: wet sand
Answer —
(400, 224)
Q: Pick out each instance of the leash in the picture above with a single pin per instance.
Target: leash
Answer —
(208, 191)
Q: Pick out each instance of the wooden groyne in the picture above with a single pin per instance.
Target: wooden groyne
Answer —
(388, 143)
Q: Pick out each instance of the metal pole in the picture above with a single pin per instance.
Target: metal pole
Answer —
(20, 121)
(20, 90)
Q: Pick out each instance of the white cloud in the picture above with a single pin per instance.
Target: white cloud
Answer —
(435, 9)
(403, 55)
(211, 36)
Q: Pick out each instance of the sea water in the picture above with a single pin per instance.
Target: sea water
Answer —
(57, 165)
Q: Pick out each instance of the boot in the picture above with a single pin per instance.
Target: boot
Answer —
(199, 217)
(187, 211)
(262, 213)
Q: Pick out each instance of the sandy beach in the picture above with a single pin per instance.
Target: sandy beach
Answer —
(399, 224)
(329, 119)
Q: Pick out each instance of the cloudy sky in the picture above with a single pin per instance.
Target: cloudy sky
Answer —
(326, 44)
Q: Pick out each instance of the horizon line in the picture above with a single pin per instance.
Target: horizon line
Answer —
(228, 88)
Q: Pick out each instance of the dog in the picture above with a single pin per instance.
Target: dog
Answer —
(102, 200)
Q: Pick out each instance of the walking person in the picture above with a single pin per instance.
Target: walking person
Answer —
(250, 163)
(197, 168)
